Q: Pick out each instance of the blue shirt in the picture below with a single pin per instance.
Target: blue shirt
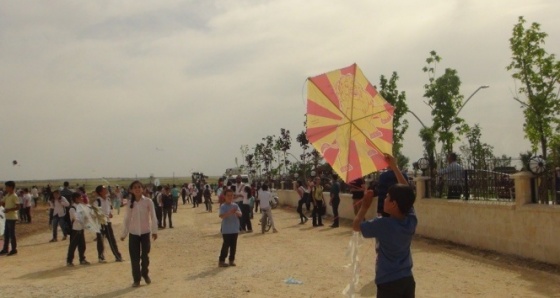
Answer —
(230, 224)
(394, 259)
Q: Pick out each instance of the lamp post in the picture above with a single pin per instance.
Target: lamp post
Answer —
(423, 165)
(468, 98)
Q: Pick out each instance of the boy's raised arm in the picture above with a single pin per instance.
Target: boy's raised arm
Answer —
(393, 165)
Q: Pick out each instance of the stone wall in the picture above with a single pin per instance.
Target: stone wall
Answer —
(521, 228)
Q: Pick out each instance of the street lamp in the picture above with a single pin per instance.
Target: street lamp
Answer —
(475, 91)
(423, 165)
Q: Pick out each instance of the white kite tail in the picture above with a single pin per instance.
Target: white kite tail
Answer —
(354, 265)
(86, 216)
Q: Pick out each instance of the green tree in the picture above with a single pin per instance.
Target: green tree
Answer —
(475, 153)
(283, 144)
(268, 154)
(502, 161)
(388, 90)
(445, 100)
(258, 157)
(539, 74)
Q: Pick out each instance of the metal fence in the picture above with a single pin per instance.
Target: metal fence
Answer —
(475, 184)
(545, 189)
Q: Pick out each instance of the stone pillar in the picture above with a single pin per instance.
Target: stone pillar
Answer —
(522, 182)
(421, 186)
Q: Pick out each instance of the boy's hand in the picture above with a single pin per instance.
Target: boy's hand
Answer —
(391, 161)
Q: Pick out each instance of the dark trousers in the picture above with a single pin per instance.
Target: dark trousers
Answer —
(10, 235)
(107, 232)
(208, 203)
(175, 204)
(317, 218)
(59, 221)
(307, 200)
(139, 248)
(27, 213)
(21, 213)
(257, 202)
(167, 211)
(184, 197)
(159, 215)
(404, 287)
(51, 212)
(77, 240)
(335, 204)
(230, 243)
(246, 217)
(454, 192)
(195, 201)
(302, 216)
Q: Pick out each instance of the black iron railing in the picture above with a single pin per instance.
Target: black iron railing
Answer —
(476, 185)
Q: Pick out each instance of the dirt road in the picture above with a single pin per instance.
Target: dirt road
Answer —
(184, 264)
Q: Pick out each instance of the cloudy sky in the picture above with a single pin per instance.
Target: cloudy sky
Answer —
(123, 88)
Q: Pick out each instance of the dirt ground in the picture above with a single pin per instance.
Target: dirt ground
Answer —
(184, 264)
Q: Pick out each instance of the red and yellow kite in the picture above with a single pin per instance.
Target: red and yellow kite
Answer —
(348, 122)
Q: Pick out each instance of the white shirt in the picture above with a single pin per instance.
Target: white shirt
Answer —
(140, 219)
(105, 207)
(59, 205)
(265, 197)
(35, 192)
(76, 218)
(239, 190)
(27, 200)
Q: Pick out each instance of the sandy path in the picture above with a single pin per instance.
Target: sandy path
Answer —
(184, 264)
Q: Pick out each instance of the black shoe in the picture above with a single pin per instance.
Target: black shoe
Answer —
(222, 264)
(119, 260)
(170, 227)
(69, 264)
(147, 279)
(136, 284)
(3, 252)
(320, 225)
(334, 226)
(13, 252)
(232, 264)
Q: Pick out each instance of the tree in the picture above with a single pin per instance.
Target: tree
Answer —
(502, 161)
(445, 100)
(539, 74)
(268, 153)
(388, 90)
(284, 143)
(258, 157)
(475, 153)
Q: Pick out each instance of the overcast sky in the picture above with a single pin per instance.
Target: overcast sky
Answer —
(123, 88)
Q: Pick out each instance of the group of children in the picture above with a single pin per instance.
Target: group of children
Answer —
(393, 233)
(139, 225)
